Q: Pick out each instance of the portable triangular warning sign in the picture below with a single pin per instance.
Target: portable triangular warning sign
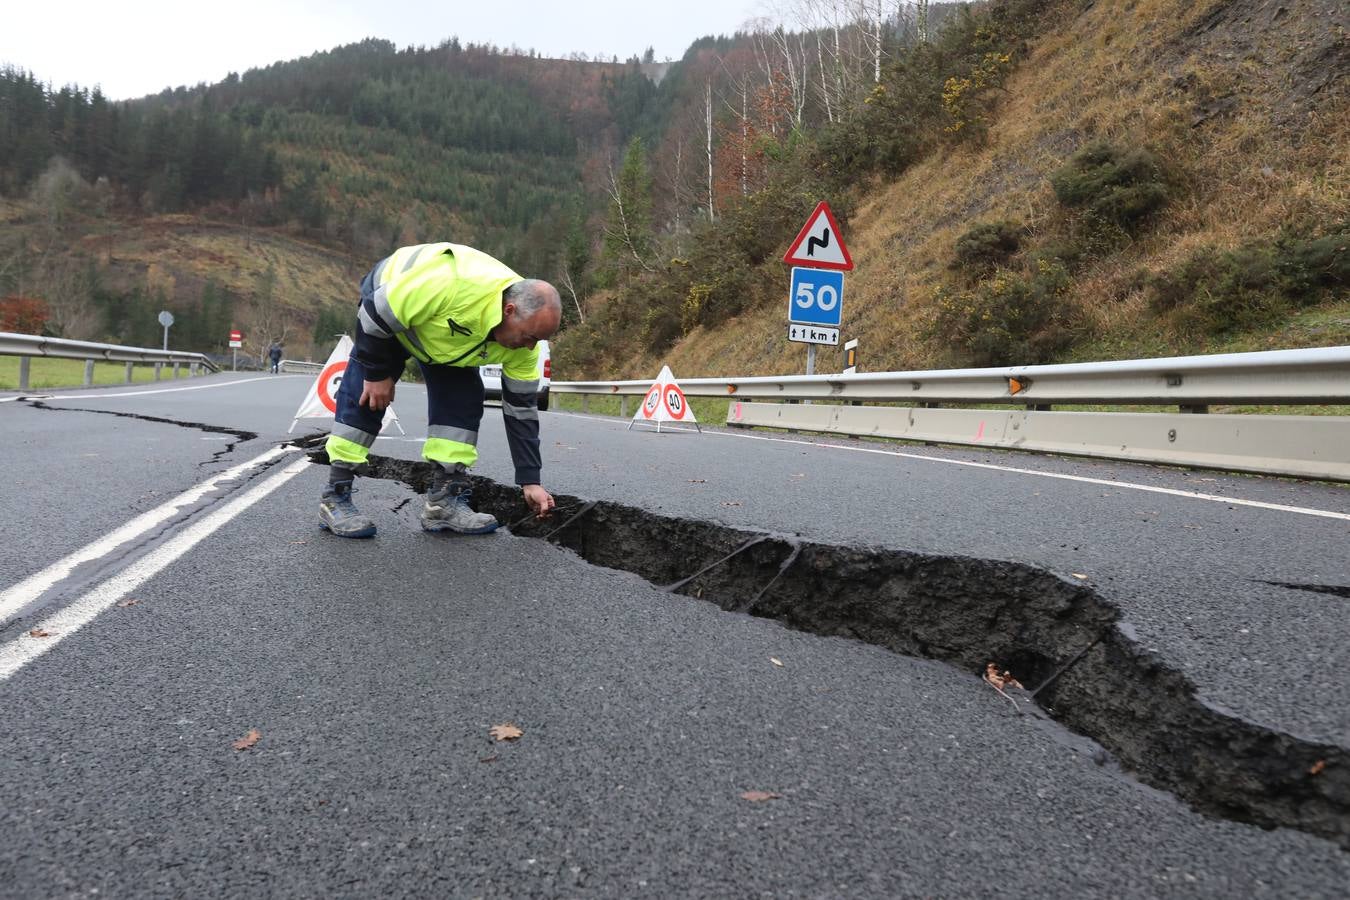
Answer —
(665, 402)
(819, 245)
(321, 401)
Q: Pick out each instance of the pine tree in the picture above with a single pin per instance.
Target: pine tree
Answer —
(629, 237)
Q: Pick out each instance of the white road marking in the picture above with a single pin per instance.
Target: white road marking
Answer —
(34, 586)
(26, 648)
(102, 394)
(1152, 489)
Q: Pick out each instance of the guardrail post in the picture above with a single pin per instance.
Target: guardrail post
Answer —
(88, 373)
(623, 407)
(175, 371)
(585, 403)
(192, 370)
(158, 368)
(129, 373)
(23, 372)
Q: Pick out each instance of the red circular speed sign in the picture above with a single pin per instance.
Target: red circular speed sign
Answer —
(329, 380)
(651, 401)
(675, 403)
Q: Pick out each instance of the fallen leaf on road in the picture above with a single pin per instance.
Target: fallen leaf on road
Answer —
(760, 796)
(131, 602)
(506, 732)
(38, 632)
(488, 759)
(698, 481)
(299, 542)
(248, 740)
(1079, 575)
(731, 503)
(1317, 767)
(775, 660)
(1000, 680)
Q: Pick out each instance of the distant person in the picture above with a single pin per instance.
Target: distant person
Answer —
(274, 352)
(452, 308)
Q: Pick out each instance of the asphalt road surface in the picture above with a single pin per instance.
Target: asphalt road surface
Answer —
(179, 622)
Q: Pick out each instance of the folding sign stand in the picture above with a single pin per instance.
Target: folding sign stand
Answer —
(320, 402)
(665, 402)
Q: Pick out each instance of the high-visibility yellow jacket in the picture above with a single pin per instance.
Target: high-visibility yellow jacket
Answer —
(441, 302)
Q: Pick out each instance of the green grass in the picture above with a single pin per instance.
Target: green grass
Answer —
(45, 372)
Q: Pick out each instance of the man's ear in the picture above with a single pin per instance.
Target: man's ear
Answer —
(508, 311)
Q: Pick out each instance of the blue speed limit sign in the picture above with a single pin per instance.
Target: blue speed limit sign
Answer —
(816, 297)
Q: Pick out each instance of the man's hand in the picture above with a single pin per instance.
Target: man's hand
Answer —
(377, 394)
(539, 500)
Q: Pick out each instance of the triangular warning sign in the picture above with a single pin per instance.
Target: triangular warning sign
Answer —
(321, 401)
(819, 245)
(664, 402)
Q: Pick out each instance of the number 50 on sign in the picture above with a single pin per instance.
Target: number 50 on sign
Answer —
(816, 297)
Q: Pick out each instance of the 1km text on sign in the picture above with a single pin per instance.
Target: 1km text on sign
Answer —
(813, 334)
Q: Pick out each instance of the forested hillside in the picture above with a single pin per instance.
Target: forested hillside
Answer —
(113, 209)
(1031, 182)
(1018, 181)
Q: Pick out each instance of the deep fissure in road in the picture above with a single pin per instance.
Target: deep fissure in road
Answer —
(240, 437)
(1060, 639)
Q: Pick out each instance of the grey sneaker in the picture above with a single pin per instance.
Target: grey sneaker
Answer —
(338, 514)
(447, 509)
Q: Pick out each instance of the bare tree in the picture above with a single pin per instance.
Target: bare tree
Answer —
(67, 288)
(570, 284)
(265, 320)
(621, 231)
(707, 106)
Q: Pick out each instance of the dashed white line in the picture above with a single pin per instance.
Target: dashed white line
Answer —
(32, 587)
(57, 627)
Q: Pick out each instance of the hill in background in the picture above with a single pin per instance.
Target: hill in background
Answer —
(1134, 178)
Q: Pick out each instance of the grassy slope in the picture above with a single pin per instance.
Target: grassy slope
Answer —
(1112, 71)
(177, 253)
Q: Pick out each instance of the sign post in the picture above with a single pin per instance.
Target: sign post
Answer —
(236, 341)
(816, 292)
(166, 319)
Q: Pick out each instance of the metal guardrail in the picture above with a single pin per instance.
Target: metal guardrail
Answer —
(300, 365)
(27, 346)
(1304, 446)
(1315, 376)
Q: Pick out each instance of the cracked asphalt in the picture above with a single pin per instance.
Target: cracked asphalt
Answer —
(373, 671)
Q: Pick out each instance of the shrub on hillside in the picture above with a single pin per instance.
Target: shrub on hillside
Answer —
(987, 245)
(1113, 186)
(1304, 267)
(1006, 319)
(1221, 291)
(23, 315)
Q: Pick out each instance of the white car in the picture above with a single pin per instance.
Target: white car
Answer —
(492, 377)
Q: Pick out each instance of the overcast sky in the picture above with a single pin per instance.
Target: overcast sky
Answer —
(139, 47)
